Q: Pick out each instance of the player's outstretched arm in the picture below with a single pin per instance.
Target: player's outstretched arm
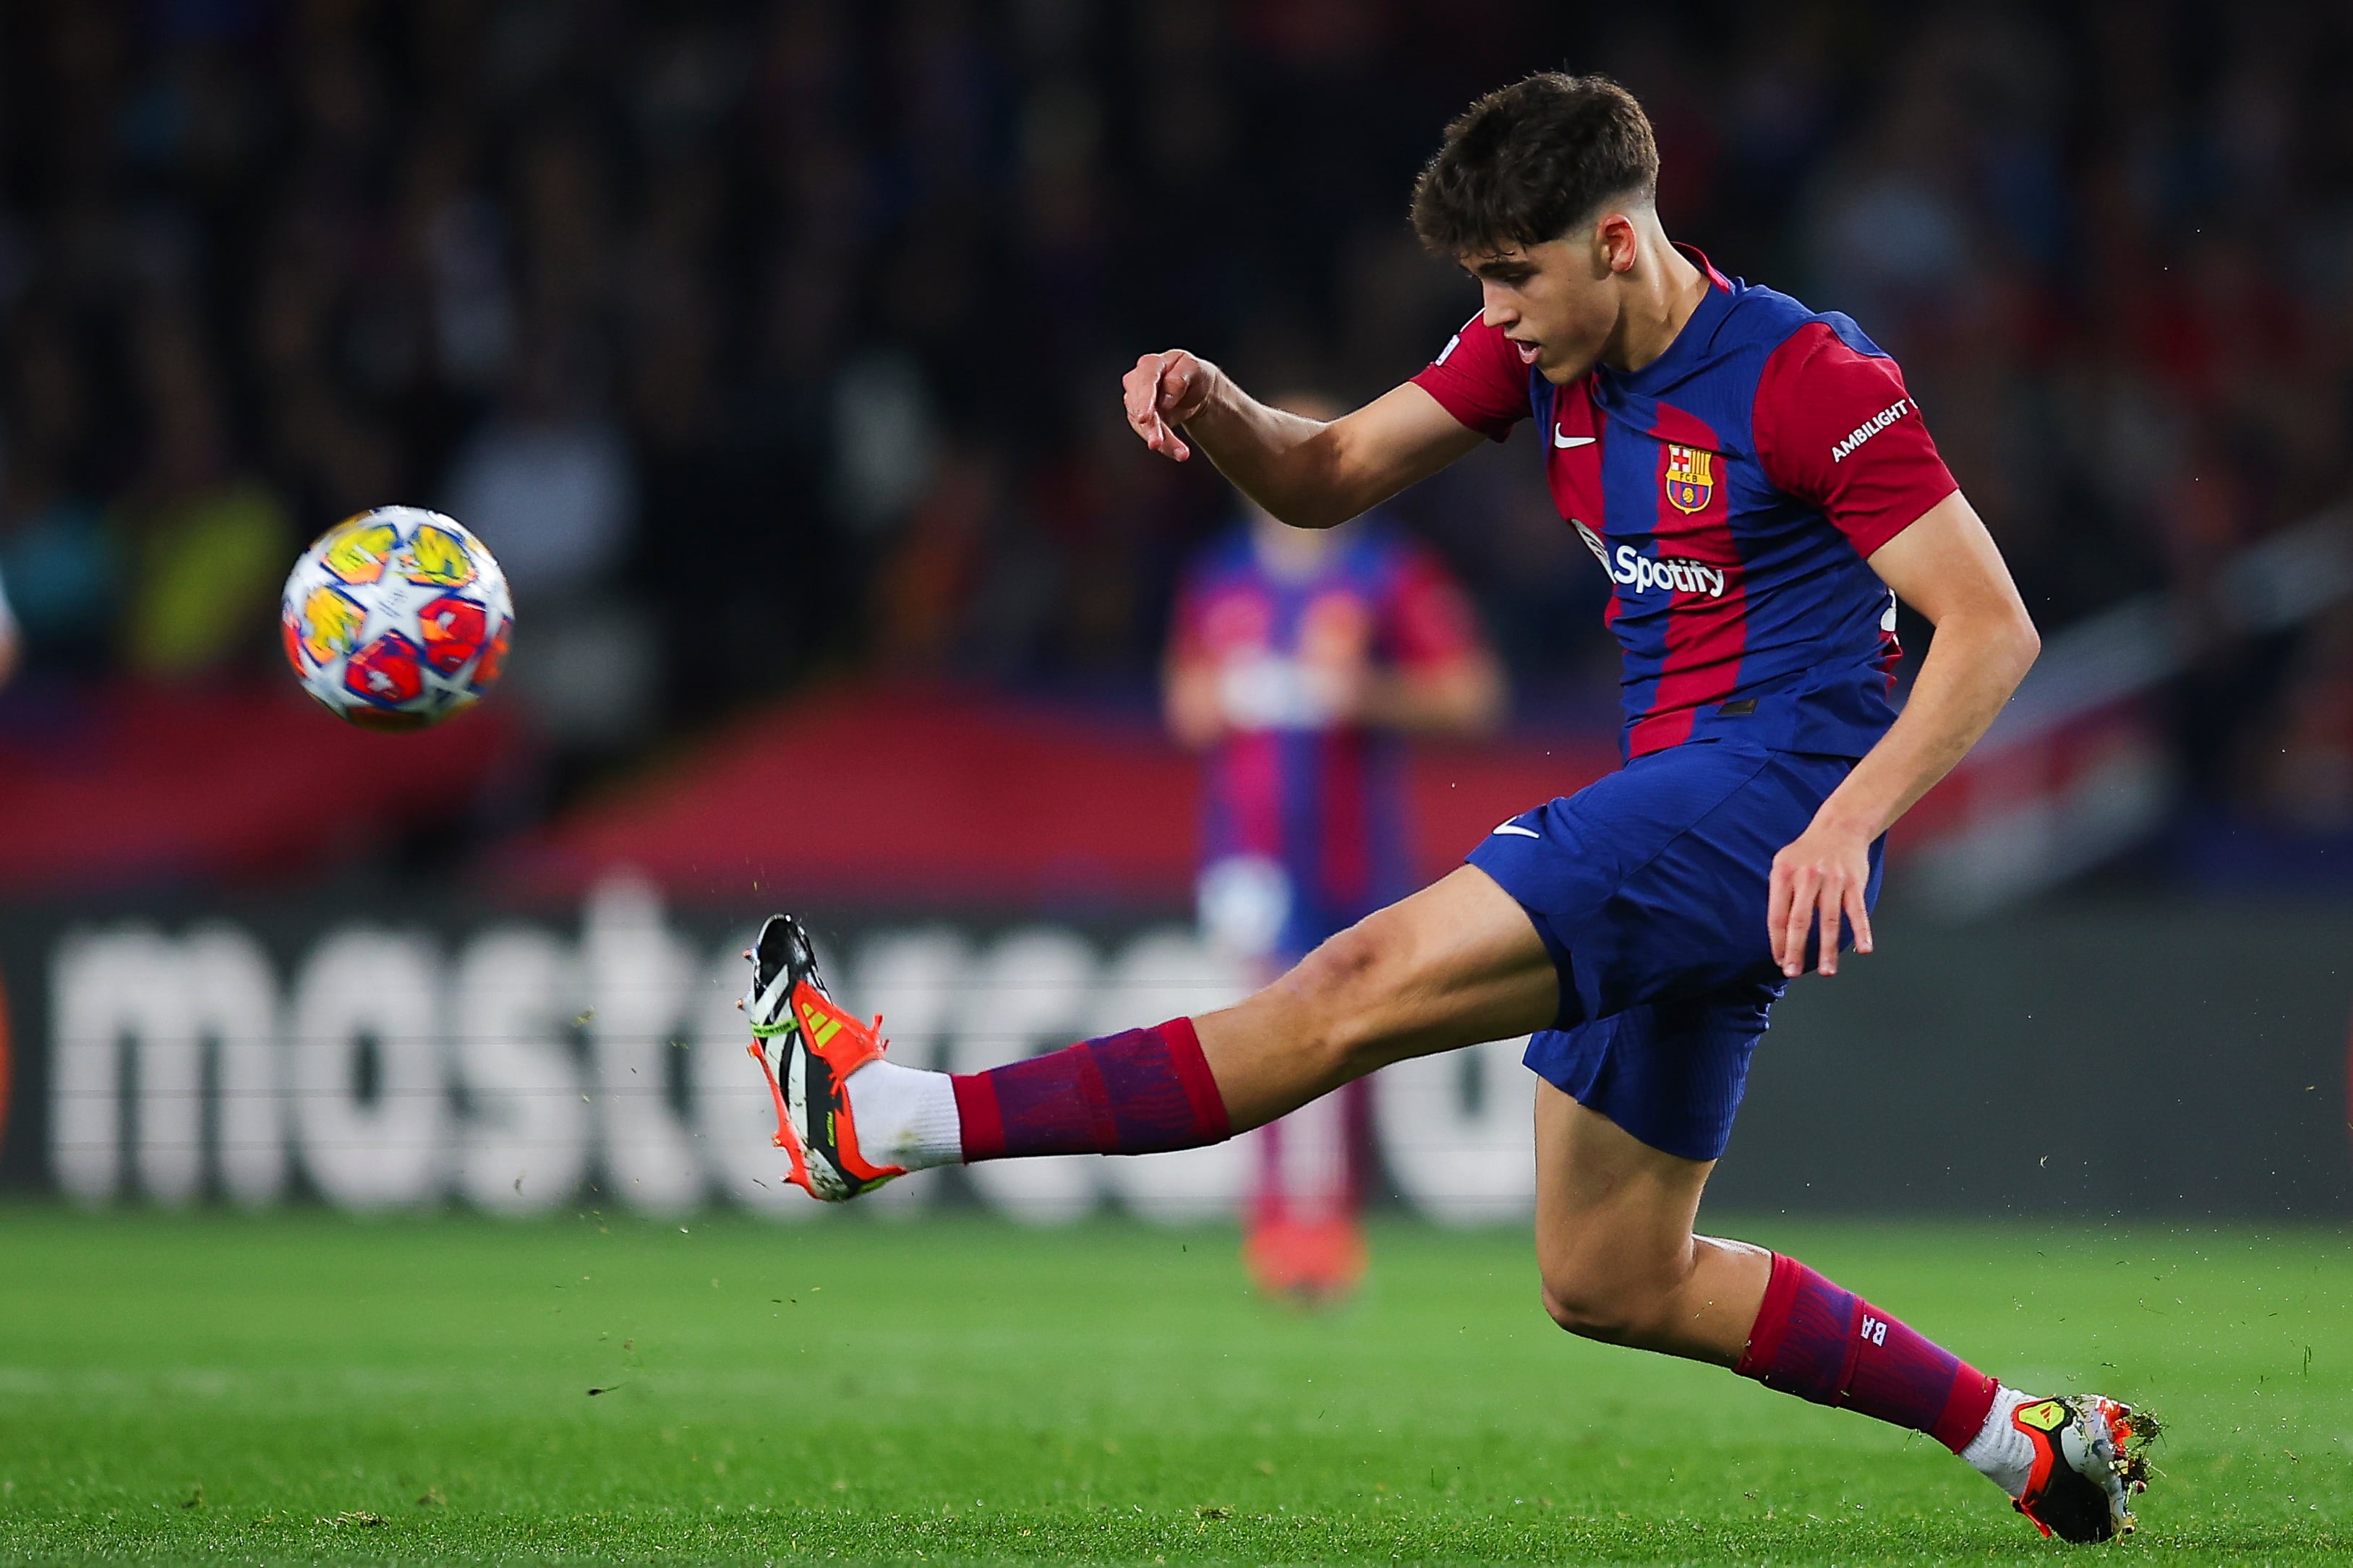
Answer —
(1310, 473)
(1948, 568)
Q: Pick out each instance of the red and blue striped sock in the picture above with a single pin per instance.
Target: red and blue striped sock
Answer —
(1830, 1345)
(1133, 1093)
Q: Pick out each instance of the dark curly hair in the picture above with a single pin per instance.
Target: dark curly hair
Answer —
(1526, 162)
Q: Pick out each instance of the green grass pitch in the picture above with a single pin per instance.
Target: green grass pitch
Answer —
(221, 1388)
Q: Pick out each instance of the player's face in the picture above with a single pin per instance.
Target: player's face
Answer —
(1554, 300)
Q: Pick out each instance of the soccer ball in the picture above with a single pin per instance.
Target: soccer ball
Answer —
(396, 618)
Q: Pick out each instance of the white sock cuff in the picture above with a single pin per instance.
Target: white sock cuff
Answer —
(906, 1117)
(2000, 1452)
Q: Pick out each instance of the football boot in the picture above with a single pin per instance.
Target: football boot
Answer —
(807, 1047)
(2091, 1459)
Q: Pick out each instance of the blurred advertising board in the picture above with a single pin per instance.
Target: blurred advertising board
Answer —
(2176, 1060)
(522, 1066)
(2153, 1057)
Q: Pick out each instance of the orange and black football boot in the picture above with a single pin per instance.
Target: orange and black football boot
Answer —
(2091, 1459)
(807, 1047)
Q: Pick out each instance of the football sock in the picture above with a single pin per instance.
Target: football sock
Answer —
(1831, 1346)
(1133, 1093)
(2000, 1452)
(906, 1117)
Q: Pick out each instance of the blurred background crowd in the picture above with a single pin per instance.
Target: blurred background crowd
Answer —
(775, 342)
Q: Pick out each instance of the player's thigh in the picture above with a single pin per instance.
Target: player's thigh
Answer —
(1614, 1215)
(1454, 965)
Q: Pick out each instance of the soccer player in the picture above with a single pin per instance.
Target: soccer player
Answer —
(1296, 654)
(1761, 490)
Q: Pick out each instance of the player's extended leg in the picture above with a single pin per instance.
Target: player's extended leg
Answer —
(1452, 965)
(1620, 1261)
(1456, 964)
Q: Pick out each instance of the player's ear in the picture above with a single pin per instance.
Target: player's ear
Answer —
(1616, 244)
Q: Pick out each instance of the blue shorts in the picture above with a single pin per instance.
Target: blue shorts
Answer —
(1648, 888)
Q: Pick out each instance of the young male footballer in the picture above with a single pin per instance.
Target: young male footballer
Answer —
(1761, 490)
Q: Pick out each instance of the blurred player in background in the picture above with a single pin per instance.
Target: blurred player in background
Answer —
(1297, 656)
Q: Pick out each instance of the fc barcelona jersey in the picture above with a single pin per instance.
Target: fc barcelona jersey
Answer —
(1733, 490)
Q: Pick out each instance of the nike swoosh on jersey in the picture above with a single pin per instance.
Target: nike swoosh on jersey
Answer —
(1516, 828)
(1562, 439)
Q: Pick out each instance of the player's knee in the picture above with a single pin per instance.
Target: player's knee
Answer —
(1589, 1308)
(1597, 1303)
(1335, 988)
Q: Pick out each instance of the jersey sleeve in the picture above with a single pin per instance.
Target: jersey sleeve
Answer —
(1836, 427)
(1427, 620)
(1478, 378)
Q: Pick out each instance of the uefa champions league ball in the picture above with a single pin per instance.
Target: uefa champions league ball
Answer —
(396, 618)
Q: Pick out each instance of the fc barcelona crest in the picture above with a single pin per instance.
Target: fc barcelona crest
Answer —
(1690, 478)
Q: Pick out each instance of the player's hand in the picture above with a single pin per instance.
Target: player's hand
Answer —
(1162, 391)
(1818, 881)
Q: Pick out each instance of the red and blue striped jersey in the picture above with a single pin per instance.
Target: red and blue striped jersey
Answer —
(1291, 782)
(1733, 489)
